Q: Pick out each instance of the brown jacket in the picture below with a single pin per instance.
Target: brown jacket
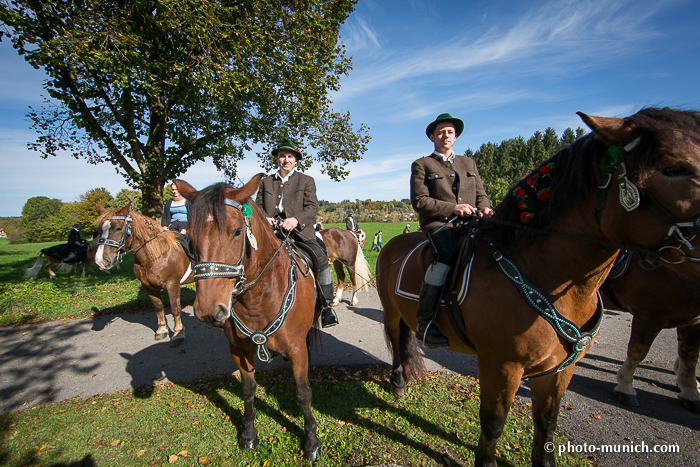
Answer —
(300, 200)
(438, 186)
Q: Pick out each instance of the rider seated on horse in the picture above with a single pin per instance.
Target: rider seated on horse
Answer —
(291, 196)
(176, 218)
(443, 185)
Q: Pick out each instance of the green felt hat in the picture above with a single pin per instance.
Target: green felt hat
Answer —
(459, 124)
(288, 145)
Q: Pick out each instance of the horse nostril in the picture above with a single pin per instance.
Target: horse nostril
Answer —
(220, 313)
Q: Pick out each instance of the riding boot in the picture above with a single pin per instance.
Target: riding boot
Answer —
(328, 316)
(428, 331)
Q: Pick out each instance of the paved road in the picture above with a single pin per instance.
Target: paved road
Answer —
(81, 358)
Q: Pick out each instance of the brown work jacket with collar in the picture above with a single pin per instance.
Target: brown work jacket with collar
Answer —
(438, 186)
(300, 200)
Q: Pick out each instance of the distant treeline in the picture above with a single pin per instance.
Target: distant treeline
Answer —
(500, 166)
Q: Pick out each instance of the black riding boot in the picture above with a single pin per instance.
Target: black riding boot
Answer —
(328, 317)
(428, 331)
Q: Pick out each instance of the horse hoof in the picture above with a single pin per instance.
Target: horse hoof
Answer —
(693, 406)
(627, 399)
(398, 391)
(249, 444)
(161, 335)
(178, 339)
(354, 303)
(311, 453)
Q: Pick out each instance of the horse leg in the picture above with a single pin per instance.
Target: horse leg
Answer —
(641, 338)
(302, 389)
(340, 273)
(498, 387)
(407, 358)
(353, 280)
(244, 362)
(688, 352)
(154, 294)
(176, 309)
(547, 392)
(50, 266)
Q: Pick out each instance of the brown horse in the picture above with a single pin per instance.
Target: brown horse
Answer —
(658, 298)
(343, 250)
(160, 263)
(542, 258)
(55, 254)
(251, 284)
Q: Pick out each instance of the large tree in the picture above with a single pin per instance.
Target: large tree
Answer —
(153, 86)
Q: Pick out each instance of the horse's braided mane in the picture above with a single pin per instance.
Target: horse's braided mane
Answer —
(143, 229)
(209, 200)
(577, 169)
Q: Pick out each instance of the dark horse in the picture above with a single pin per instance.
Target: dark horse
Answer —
(251, 284)
(159, 260)
(658, 299)
(343, 249)
(56, 254)
(542, 258)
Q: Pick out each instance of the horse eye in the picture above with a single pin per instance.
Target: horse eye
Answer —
(675, 171)
(237, 232)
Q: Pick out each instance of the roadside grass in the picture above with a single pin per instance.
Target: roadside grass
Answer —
(26, 300)
(198, 423)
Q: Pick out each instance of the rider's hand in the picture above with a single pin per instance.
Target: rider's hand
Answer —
(486, 212)
(270, 221)
(289, 224)
(183, 232)
(464, 210)
(165, 228)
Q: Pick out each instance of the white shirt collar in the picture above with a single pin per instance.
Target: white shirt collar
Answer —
(449, 158)
(284, 179)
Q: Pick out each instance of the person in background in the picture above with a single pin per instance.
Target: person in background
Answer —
(375, 243)
(176, 218)
(407, 229)
(379, 241)
(291, 196)
(443, 185)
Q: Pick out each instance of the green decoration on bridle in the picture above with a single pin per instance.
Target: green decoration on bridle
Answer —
(613, 157)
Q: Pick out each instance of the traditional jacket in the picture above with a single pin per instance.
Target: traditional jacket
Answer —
(437, 186)
(300, 200)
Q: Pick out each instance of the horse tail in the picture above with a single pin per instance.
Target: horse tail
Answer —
(361, 271)
(410, 352)
(34, 270)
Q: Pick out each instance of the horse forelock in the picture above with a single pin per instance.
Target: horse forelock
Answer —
(210, 202)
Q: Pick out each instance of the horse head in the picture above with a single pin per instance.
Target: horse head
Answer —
(225, 228)
(114, 235)
(653, 162)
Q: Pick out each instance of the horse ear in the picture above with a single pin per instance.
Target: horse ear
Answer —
(249, 189)
(611, 130)
(99, 209)
(186, 190)
(125, 210)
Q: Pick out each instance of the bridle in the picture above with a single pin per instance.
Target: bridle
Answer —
(216, 269)
(121, 244)
(631, 197)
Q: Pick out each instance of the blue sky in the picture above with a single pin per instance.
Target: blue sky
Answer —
(507, 68)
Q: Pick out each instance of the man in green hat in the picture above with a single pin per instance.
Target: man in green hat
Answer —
(443, 185)
(291, 196)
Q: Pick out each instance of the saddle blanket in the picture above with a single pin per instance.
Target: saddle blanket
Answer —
(405, 285)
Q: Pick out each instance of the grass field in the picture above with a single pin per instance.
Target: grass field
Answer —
(360, 423)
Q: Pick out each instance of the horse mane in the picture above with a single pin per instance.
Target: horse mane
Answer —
(575, 171)
(210, 200)
(145, 228)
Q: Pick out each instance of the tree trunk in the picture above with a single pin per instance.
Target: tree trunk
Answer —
(152, 198)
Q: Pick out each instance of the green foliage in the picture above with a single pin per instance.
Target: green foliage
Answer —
(35, 213)
(126, 196)
(86, 207)
(154, 86)
(501, 165)
(365, 211)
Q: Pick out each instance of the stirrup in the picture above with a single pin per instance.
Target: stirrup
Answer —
(328, 317)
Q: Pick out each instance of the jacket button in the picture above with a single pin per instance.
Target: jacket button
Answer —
(279, 196)
(452, 175)
(459, 199)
